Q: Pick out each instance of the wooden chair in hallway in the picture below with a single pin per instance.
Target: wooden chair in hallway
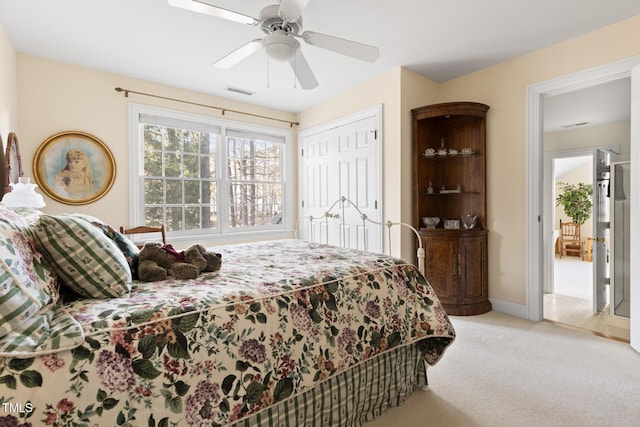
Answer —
(570, 239)
(143, 229)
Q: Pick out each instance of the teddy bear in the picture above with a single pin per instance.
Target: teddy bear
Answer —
(205, 260)
(157, 261)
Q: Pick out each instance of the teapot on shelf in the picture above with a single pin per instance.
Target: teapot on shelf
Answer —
(468, 221)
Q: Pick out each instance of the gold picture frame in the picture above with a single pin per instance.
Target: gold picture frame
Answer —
(74, 168)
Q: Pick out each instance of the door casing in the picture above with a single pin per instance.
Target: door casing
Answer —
(535, 214)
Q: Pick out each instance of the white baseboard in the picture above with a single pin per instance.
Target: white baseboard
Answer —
(510, 308)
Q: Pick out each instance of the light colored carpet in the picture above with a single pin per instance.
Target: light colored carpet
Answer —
(506, 371)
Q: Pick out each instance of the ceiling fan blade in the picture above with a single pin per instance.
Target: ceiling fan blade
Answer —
(231, 59)
(303, 72)
(201, 7)
(290, 10)
(343, 46)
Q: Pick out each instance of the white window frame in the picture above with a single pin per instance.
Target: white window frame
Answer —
(222, 233)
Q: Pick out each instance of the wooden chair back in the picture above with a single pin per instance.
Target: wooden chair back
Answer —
(143, 229)
(570, 239)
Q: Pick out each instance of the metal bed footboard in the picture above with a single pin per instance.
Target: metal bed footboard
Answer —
(337, 212)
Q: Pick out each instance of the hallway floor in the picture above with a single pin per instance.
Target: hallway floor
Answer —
(571, 304)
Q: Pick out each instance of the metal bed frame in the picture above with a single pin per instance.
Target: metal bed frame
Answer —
(337, 212)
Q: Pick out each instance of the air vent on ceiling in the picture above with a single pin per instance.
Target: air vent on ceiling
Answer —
(240, 91)
(575, 125)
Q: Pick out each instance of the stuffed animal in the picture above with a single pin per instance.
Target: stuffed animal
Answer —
(157, 261)
(203, 259)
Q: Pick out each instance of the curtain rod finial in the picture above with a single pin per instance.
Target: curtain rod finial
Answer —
(126, 92)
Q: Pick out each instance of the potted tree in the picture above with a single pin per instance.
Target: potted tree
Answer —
(575, 200)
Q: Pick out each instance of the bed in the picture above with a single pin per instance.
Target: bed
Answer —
(287, 333)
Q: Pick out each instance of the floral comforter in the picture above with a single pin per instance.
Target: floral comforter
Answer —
(276, 320)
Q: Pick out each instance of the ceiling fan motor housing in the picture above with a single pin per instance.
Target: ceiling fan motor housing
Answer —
(279, 42)
(280, 46)
(270, 21)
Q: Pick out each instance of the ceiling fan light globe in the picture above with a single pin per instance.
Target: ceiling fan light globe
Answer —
(280, 46)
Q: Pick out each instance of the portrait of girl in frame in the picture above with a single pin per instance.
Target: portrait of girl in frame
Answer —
(74, 168)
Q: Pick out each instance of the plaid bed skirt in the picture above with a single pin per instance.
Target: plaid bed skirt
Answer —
(350, 398)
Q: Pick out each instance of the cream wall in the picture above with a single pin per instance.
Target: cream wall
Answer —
(416, 92)
(56, 97)
(504, 88)
(383, 90)
(398, 91)
(53, 97)
(8, 91)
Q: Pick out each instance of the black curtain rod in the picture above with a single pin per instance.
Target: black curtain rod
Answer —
(222, 110)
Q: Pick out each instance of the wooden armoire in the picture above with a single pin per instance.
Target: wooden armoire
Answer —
(449, 182)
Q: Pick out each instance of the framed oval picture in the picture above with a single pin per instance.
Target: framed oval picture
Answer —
(74, 168)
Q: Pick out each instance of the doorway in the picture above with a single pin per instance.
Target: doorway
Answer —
(569, 293)
(576, 288)
(539, 236)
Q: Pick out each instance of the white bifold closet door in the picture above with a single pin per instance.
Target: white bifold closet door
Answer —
(336, 161)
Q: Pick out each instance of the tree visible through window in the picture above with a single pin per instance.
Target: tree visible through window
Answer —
(199, 176)
(179, 178)
(254, 171)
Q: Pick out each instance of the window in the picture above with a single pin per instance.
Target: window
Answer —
(202, 176)
(255, 184)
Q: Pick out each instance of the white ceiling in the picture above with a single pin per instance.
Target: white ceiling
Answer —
(150, 40)
(605, 103)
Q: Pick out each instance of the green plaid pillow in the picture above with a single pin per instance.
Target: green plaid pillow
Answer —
(27, 285)
(128, 248)
(84, 258)
(50, 331)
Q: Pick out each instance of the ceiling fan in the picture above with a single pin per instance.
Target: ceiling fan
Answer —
(282, 24)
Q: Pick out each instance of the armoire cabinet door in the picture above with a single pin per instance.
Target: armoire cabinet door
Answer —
(472, 252)
(441, 267)
(457, 269)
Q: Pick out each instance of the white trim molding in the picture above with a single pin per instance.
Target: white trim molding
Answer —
(535, 215)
